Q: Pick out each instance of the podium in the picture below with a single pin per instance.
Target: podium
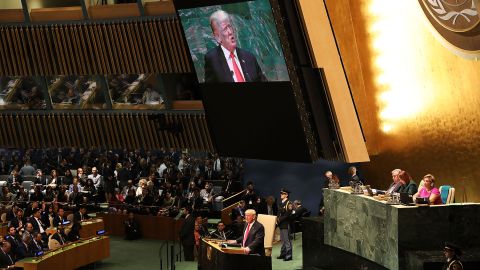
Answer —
(213, 257)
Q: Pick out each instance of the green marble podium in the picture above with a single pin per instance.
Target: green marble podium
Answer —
(384, 233)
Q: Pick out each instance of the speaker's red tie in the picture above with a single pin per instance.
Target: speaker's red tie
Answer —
(236, 70)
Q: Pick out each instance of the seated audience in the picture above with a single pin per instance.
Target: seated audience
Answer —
(429, 190)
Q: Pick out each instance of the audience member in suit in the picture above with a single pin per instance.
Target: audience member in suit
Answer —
(37, 195)
(253, 235)
(227, 62)
(59, 217)
(25, 248)
(239, 210)
(60, 235)
(29, 229)
(75, 197)
(12, 213)
(221, 232)
(250, 197)
(38, 242)
(186, 234)
(6, 260)
(237, 227)
(40, 178)
(38, 225)
(14, 177)
(14, 240)
(81, 214)
(132, 228)
(74, 234)
(268, 206)
(283, 222)
(298, 213)
(29, 210)
(18, 221)
(48, 217)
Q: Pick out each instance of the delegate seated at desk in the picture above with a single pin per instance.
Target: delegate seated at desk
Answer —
(395, 185)
(253, 235)
(407, 184)
(429, 190)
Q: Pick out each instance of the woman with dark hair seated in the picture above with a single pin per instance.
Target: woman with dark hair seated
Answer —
(407, 184)
(429, 191)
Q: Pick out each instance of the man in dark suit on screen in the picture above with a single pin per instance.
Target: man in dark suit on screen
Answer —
(227, 62)
(253, 235)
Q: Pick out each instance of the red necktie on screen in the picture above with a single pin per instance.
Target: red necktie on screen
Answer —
(236, 70)
(246, 234)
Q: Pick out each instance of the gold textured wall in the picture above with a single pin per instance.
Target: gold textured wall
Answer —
(418, 102)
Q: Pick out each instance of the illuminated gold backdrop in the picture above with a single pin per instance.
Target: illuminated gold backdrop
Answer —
(424, 99)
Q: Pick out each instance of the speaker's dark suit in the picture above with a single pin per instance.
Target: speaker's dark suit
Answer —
(217, 70)
(255, 238)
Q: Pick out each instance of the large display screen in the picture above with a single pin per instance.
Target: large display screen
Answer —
(234, 42)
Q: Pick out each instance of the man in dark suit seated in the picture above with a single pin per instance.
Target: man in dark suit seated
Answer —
(81, 215)
(6, 260)
(60, 217)
(60, 235)
(25, 248)
(227, 62)
(14, 240)
(18, 221)
(221, 232)
(36, 221)
(37, 243)
(253, 235)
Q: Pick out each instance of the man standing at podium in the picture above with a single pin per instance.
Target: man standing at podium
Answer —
(253, 235)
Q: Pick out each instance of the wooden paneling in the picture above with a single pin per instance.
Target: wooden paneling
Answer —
(159, 8)
(113, 130)
(56, 14)
(11, 15)
(128, 47)
(102, 12)
(327, 56)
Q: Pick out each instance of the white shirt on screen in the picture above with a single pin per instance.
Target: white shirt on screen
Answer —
(230, 63)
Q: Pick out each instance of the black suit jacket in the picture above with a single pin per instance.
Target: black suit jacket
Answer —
(217, 70)
(5, 260)
(186, 231)
(34, 222)
(255, 238)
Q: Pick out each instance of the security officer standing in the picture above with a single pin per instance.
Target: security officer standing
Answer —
(452, 254)
(283, 222)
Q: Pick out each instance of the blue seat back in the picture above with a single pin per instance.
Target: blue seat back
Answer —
(444, 193)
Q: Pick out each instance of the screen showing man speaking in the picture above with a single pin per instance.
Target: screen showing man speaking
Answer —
(235, 42)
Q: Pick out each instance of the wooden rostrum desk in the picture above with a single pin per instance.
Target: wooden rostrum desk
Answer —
(151, 227)
(213, 257)
(71, 256)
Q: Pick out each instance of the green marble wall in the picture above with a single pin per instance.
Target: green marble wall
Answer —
(256, 32)
(362, 226)
(385, 233)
